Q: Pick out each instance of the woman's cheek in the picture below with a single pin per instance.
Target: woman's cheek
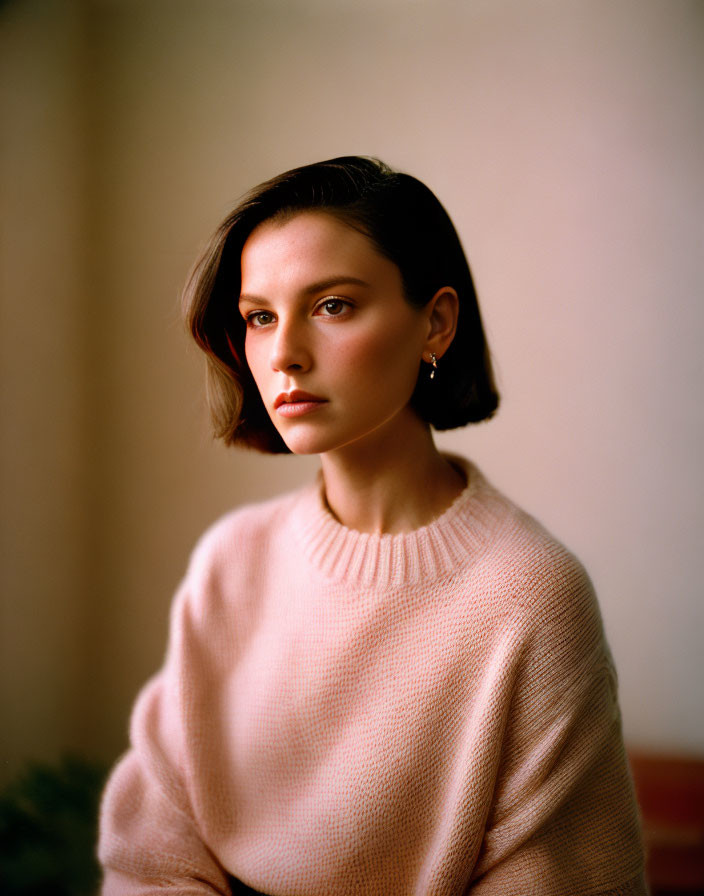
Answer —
(255, 353)
(377, 343)
(361, 351)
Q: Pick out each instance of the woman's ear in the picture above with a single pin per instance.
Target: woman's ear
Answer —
(442, 311)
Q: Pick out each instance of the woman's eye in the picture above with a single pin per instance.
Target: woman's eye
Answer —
(259, 318)
(332, 307)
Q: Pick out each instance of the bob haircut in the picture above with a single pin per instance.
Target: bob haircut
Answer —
(407, 224)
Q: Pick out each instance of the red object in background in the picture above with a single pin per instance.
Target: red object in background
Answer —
(671, 797)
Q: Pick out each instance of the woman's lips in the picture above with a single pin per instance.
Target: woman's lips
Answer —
(297, 404)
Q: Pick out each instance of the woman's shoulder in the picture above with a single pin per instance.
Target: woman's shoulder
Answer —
(537, 592)
(529, 565)
(225, 568)
(242, 533)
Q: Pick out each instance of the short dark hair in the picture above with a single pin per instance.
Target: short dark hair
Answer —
(406, 223)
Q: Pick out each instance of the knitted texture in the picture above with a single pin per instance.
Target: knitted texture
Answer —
(344, 713)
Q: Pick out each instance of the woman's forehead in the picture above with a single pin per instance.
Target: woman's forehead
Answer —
(310, 246)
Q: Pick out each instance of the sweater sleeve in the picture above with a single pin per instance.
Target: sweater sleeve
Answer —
(149, 837)
(563, 817)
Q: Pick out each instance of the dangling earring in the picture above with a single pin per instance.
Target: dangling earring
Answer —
(434, 362)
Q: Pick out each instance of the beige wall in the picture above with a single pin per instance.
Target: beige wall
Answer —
(564, 139)
(44, 557)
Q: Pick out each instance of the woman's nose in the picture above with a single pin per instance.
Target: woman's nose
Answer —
(290, 350)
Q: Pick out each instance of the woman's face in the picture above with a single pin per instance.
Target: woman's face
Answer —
(333, 345)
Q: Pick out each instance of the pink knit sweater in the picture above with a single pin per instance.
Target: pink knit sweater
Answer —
(344, 713)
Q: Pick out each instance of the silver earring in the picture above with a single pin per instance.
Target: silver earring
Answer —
(434, 362)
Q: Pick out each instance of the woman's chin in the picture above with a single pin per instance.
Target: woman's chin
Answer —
(303, 443)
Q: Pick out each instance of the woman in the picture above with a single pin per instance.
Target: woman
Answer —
(393, 681)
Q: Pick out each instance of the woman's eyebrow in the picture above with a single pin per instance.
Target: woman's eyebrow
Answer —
(319, 286)
(329, 282)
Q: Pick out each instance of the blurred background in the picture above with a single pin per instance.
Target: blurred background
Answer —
(564, 138)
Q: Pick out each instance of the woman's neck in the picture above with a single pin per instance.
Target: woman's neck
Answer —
(395, 481)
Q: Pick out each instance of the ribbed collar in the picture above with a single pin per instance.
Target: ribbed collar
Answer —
(426, 554)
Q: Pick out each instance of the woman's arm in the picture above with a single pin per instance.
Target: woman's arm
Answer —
(148, 843)
(149, 836)
(564, 818)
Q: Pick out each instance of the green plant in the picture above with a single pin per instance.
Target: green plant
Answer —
(48, 821)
